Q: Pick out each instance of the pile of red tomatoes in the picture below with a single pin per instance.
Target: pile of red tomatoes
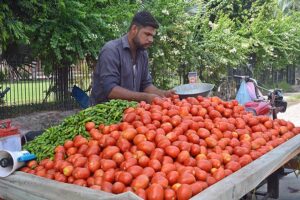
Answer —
(170, 149)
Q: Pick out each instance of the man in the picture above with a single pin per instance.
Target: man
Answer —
(122, 68)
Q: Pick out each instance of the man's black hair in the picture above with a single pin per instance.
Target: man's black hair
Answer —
(144, 18)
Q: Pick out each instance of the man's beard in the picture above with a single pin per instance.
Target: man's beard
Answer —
(137, 43)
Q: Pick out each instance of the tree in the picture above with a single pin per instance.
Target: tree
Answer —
(274, 36)
(11, 28)
(221, 45)
(255, 29)
(173, 47)
(13, 39)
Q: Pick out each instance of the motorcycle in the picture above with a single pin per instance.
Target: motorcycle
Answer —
(251, 97)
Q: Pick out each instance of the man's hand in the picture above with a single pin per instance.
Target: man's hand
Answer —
(162, 93)
(150, 97)
(169, 93)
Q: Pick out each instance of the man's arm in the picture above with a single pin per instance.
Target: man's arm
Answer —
(151, 89)
(121, 93)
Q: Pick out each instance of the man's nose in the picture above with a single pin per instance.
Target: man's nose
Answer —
(150, 39)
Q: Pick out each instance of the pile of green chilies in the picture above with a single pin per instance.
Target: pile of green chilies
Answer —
(107, 113)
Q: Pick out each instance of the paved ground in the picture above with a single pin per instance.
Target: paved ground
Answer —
(292, 113)
(40, 120)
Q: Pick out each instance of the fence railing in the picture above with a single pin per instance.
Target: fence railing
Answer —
(33, 90)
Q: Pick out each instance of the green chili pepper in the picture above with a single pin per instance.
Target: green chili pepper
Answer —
(108, 113)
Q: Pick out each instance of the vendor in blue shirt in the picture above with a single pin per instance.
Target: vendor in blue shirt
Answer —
(122, 68)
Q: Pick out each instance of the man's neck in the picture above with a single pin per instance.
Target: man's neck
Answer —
(132, 47)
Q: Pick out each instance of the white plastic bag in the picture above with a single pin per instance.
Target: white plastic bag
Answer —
(242, 95)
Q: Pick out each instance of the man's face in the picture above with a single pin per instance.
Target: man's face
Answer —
(144, 37)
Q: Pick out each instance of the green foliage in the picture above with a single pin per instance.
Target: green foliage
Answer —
(197, 35)
(285, 86)
(173, 46)
(117, 16)
(274, 37)
(220, 46)
(230, 32)
(64, 31)
(11, 26)
(294, 98)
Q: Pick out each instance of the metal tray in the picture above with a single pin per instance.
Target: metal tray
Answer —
(193, 90)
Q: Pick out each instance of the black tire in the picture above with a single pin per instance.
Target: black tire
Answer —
(227, 90)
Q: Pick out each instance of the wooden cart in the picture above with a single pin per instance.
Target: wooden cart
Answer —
(20, 185)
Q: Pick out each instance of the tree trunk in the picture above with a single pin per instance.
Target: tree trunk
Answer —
(61, 83)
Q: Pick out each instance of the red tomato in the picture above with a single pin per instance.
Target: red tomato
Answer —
(182, 156)
(118, 158)
(129, 133)
(142, 181)
(146, 147)
(168, 167)
(219, 174)
(167, 127)
(173, 177)
(155, 164)
(107, 164)
(68, 170)
(155, 192)
(170, 194)
(157, 154)
(139, 138)
(109, 175)
(125, 178)
(196, 187)
(68, 144)
(94, 164)
(110, 151)
(80, 182)
(106, 186)
(92, 150)
(200, 174)
(118, 187)
(123, 144)
(130, 117)
(80, 161)
(141, 193)
(184, 192)
(161, 180)
(233, 166)
(148, 171)
(135, 170)
(203, 133)
(204, 164)
(186, 178)
(81, 173)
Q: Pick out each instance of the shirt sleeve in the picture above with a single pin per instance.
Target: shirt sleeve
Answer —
(107, 73)
(146, 76)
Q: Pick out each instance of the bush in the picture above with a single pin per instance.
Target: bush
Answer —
(285, 86)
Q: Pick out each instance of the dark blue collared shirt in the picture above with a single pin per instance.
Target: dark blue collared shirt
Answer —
(115, 67)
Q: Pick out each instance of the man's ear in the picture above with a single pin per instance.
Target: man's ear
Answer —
(134, 29)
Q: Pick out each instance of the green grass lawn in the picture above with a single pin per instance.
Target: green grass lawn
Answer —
(26, 92)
